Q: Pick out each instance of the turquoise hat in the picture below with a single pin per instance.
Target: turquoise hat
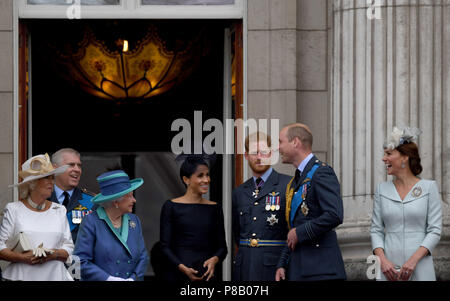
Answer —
(113, 185)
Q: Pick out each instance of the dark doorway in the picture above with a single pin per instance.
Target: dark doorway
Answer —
(134, 133)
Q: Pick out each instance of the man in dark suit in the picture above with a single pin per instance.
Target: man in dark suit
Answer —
(66, 192)
(259, 226)
(314, 208)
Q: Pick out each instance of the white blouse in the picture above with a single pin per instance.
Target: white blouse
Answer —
(49, 227)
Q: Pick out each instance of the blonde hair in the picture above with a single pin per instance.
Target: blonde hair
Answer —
(26, 189)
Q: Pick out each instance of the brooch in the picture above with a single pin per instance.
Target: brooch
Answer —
(417, 191)
(132, 224)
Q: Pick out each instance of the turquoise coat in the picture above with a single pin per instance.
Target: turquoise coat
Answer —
(401, 227)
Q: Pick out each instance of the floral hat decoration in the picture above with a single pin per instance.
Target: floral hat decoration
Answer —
(400, 136)
(38, 167)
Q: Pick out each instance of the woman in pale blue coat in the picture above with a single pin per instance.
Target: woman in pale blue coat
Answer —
(407, 217)
(110, 243)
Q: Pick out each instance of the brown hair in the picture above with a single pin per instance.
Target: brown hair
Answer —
(412, 151)
(259, 136)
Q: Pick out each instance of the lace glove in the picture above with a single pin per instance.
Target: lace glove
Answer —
(41, 251)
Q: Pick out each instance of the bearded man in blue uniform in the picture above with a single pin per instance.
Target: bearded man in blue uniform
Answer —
(259, 227)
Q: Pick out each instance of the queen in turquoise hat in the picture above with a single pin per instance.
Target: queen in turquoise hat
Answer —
(110, 244)
(114, 184)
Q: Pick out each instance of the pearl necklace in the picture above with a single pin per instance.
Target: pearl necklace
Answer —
(116, 224)
(34, 205)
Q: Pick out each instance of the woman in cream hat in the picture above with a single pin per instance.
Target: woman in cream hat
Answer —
(34, 235)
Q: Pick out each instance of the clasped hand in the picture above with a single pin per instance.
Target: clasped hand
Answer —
(38, 255)
(392, 274)
(209, 264)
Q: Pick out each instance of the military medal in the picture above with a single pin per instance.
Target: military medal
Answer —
(272, 219)
(257, 187)
(304, 191)
(304, 208)
(78, 213)
(417, 191)
(273, 201)
(267, 203)
(76, 217)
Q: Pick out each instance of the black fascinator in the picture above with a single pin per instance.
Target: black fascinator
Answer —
(193, 158)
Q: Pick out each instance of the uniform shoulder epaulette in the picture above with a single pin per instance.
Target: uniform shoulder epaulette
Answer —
(84, 190)
(321, 163)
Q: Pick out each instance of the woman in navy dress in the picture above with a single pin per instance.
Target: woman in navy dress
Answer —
(192, 228)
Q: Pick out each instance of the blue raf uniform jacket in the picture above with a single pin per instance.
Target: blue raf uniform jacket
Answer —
(250, 221)
(317, 255)
(80, 202)
(103, 252)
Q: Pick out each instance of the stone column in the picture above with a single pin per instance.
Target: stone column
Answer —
(6, 103)
(313, 84)
(391, 70)
(272, 62)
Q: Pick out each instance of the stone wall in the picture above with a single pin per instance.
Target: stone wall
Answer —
(6, 102)
(389, 71)
(288, 74)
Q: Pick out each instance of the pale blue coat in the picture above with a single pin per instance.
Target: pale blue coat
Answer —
(401, 227)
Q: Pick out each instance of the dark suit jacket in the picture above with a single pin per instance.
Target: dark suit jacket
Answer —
(317, 255)
(250, 263)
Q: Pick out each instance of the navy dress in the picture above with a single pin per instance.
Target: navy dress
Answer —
(191, 234)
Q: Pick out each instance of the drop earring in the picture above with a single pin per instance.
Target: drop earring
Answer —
(403, 165)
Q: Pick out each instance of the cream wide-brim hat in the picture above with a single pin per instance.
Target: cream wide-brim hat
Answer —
(38, 167)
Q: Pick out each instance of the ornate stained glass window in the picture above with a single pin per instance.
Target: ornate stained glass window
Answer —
(111, 61)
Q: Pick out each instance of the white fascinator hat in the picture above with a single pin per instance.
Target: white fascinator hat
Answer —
(402, 135)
